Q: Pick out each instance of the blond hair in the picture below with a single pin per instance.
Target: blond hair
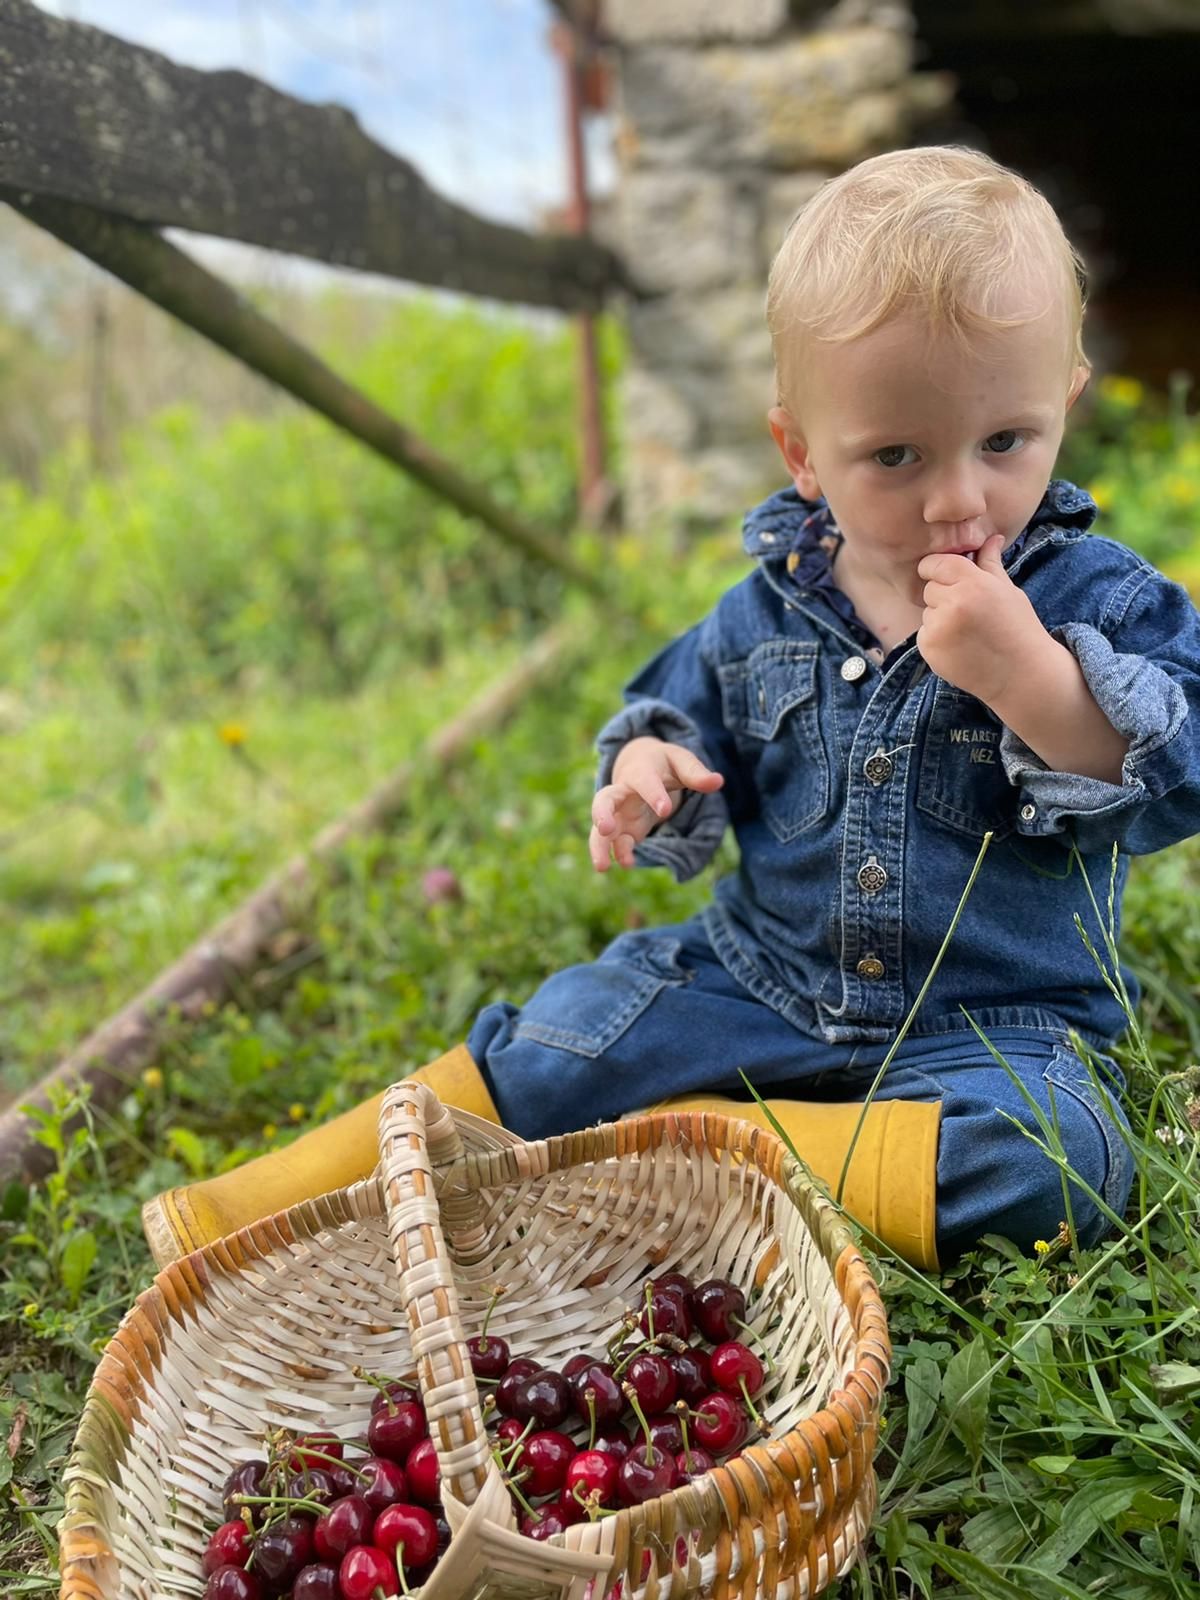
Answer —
(939, 229)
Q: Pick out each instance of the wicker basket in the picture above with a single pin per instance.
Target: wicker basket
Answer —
(263, 1329)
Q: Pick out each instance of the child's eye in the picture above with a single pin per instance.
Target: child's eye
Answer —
(892, 455)
(1005, 443)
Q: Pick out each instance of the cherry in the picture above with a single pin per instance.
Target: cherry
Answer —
(543, 1397)
(316, 1582)
(735, 1367)
(593, 1472)
(382, 1483)
(519, 1369)
(679, 1282)
(314, 1450)
(612, 1440)
(229, 1546)
(666, 1313)
(666, 1432)
(543, 1461)
(423, 1473)
(246, 1479)
(347, 1522)
(393, 1430)
(608, 1402)
(693, 1373)
(394, 1393)
(443, 1532)
(720, 1423)
(693, 1463)
(489, 1355)
(508, 1431)
(568, 1508)
(645, 1474)
(345, 1481)
(546, 1521)
(232, 1583)
(364, 1570)
(281, 1552)
(408, 1534)
(720, 1309)
(576, 1364)
(312, 1484)
(653, 1379)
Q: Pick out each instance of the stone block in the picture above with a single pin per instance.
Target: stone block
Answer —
(712, 332)
(709, 487)
(687, 229)
(633, 22)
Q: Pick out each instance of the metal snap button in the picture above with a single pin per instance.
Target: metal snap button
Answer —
(871, 876)
(1028, 812)
(878, 767)
(870, 967)
(853, 668)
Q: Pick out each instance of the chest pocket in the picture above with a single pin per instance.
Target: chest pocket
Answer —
(770, 704)
(962, 781)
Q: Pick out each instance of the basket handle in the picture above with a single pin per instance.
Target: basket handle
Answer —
(415, 1130)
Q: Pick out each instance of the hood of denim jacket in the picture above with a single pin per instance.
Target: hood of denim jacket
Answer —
(770, 528)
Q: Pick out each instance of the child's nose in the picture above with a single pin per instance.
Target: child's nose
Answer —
(955, 495)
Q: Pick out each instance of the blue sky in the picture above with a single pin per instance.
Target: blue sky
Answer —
(466, 89)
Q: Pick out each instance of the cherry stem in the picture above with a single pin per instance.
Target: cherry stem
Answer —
(589, 1394)
(681, 1410)
(650, 1310)
(399, 1559)
(512, 1484)
(286, 1507)
(749, 1336)
(487, 1315)
(626, 1325)
(751, 1407)
(590, 1502)
(631, 1395)
(517, 1447)
(637, 1350)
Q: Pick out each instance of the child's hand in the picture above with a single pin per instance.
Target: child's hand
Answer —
(649, 777)
(979, 630)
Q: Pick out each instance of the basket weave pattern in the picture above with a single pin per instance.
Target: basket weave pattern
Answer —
(264, 1328)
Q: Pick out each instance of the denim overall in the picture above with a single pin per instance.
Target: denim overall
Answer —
(859, 789)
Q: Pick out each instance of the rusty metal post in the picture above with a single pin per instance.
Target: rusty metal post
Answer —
(574, 44)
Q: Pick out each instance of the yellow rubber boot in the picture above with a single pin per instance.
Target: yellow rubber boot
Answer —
(891, 1187)
(329, 1157)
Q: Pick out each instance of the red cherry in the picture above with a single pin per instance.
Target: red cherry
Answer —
(364, 1570)
(542, 1464)
(394, 1393)
(593, 1472)
(382, 1483)
(734, 1364)
(543, 1397)
(693, 1463)
(666, 1432)
(393, 1431)
(653, 1381)
(608, 1402)
(719, 1308)
(232, 1583)
(312, 1484)
(545, 1522)
(508, 1431)
(408, 1534)
(679, 1282)
(669, 1313)
(693, 1373)
(423, 1473)
(315, 1450)
(316, 1582)
(282, 1551)
(568, 1508)
(489, 1355)
(347, 1522)
(229, 1546)
(612, 1440)
(644, 1475)
(345, 1481)
(720, 1423)
(576, 1364)
(521, 1368)
(248, 1480)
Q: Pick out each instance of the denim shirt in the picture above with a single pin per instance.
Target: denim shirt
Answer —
(859, 791)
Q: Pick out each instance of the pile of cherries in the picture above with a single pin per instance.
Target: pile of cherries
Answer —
(657, 1410)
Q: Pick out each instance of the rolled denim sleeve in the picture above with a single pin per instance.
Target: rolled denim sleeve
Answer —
(677, 697)
(1145, 677)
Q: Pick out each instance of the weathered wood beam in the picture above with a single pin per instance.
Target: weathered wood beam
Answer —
(169, 277)
(214, 968)
(88, 117)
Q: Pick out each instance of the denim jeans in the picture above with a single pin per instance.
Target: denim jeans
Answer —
(657, 1015)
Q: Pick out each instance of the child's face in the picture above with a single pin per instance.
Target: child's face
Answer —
(921, 445)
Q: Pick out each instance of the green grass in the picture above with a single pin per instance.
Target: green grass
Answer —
(1041, 1432)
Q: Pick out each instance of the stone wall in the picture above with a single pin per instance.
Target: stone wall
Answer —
(731, 113)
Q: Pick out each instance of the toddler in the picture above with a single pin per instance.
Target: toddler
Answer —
(930, 646)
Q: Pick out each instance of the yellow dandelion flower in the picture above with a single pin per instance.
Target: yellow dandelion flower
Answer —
(1102, 493)
(1181, 491)
(1122, 391)
(1041, 1247)
(233, 734)
(269, 1130)
(153, 1078)
(30, 1310)
(296, 1111)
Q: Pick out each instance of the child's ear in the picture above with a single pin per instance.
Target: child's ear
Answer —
(793, 447)
(1080, 379)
